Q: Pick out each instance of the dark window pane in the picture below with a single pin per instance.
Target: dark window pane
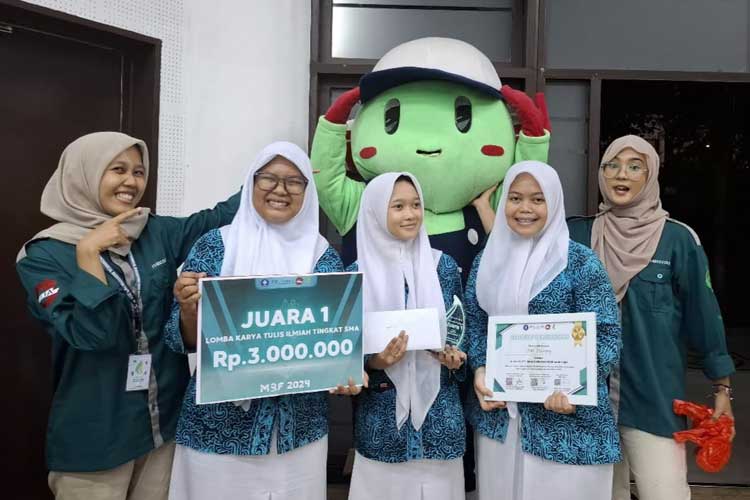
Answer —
(568, 103)
(680, 35)
(362, 31)
(705, 172)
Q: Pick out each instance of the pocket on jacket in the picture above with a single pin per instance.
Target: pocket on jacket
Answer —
(654, 288)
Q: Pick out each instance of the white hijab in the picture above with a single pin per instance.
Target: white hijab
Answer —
(388, 263)
(514, 269)
(254, 247)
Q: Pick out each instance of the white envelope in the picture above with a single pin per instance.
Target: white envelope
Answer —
(421, 325)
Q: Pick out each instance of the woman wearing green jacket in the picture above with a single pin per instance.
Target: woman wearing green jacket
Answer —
(660, 276)
(100, 282)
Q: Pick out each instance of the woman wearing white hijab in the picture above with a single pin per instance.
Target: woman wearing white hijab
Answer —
(531, 451)
(660, 275)
(409, 426)
(99, 281)
(269, 448)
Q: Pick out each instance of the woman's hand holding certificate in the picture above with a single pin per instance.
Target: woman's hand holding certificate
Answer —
(558, 402)
(483, 392)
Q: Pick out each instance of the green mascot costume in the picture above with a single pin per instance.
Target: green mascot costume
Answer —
(435, 108)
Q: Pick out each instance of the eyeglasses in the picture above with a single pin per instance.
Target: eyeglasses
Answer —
(633, 171)
(268, 182)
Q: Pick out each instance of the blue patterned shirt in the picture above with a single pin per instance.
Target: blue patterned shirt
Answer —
(588, 436)
(442, 435)
(225, 428)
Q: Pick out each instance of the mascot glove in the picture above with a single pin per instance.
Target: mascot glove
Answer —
(713, 437)
(339, 110)
(533, 114)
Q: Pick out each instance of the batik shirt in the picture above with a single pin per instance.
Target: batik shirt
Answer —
(588, 436)
(443, 433)
(226, 428)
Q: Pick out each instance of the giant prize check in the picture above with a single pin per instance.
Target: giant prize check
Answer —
(273, 335)
(530, 357)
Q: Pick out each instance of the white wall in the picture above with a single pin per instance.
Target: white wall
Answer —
(247, 84)
(234, 77)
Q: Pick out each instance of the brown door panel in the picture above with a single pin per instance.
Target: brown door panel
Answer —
(60, 78)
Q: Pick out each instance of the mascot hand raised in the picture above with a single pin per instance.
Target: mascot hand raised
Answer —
(339, 110)
(532, 114)
(433, 107)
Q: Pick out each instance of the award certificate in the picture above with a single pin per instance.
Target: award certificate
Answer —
(530, 357)
(274, 335)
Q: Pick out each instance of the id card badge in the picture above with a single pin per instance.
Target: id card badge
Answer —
(139, 372)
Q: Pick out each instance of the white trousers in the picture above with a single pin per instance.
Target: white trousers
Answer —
(658, 465)
(505, 472)
(412, 480)
(297, 475)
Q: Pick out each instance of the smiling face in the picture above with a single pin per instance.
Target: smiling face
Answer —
(123, 182)
(278, 205)
(628, 173)
(456, 141)
(404, 211)
(526, 207)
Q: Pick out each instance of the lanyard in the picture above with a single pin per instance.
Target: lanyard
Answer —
(134, 299)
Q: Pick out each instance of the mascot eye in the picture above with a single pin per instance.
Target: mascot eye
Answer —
(463, 114)
(392, 115)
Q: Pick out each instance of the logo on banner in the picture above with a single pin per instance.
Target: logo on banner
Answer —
(46, 291)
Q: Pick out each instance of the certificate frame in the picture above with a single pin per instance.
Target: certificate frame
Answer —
(530, 356)
(252, 331)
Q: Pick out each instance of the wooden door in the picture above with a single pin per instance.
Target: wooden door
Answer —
(58, 80)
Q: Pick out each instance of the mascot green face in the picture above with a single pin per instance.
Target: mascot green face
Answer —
(456, 140)
(435, 108)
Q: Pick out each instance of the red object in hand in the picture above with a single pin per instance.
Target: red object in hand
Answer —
(713, 437)
(533, 114)
(340, 109)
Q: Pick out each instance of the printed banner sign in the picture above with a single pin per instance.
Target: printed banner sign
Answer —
(268, 336)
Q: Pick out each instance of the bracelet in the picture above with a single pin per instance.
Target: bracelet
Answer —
(726, 389)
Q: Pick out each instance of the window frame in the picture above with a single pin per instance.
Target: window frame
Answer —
(328, 72)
